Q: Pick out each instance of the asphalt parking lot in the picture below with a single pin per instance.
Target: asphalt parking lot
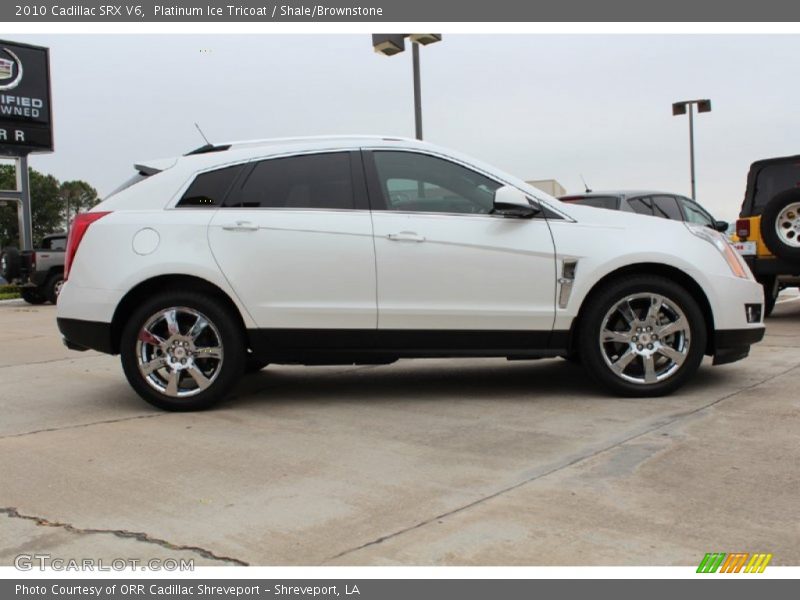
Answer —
(418, 463)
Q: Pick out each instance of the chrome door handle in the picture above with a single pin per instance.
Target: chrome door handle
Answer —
(241, 226)
(405, 236)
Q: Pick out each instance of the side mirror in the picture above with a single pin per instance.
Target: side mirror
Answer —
(513, 203)
(721, 226)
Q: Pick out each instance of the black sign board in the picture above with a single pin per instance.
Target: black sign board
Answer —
(26, 120)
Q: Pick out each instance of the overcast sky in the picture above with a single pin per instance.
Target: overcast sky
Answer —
(537, 106)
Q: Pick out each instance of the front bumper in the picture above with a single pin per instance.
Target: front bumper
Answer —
(731, 345)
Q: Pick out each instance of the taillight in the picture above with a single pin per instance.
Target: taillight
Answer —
(743, 228)
(76, 232)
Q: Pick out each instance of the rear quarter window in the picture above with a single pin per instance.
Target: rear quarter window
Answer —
(210, 188)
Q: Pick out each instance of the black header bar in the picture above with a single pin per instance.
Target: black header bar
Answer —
(384, 11)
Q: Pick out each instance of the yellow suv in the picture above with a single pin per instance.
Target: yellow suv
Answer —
(768, 228)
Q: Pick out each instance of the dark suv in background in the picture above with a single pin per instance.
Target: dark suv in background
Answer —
(40, 272)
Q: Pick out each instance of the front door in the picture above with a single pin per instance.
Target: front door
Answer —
(444, 262)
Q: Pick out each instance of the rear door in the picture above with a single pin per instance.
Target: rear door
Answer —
(294, 239)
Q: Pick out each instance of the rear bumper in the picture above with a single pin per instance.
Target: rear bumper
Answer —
(731, 345)
(86, 335)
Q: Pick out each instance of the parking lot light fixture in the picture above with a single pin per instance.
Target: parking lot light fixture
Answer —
(390, 44)
(681, 108)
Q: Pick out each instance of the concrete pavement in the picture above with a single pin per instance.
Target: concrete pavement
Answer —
(417, 463)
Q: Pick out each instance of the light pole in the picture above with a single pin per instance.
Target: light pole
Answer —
(679, 108)
(390, 44)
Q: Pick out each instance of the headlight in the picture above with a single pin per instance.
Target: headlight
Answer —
(721, 243)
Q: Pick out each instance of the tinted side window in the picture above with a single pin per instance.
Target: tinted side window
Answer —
(210, 189)
(695, 214)
(643, 206)
(667, 207)
(417, 182)
(310, 181)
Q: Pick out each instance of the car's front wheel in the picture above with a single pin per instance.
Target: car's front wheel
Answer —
(642, 336)
(183, 351)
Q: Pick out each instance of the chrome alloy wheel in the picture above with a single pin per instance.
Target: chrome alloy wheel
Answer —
(787, 225)
(645, 338)
(175, 363)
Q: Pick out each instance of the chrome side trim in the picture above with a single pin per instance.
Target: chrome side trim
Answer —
(568, 268)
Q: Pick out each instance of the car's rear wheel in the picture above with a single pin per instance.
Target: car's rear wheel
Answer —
(780, 225)
(642, 336)
(183, 351)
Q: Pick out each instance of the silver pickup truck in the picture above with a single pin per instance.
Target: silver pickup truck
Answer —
(39, 273)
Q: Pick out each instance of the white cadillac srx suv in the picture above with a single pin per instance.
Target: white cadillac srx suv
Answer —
(344, 250)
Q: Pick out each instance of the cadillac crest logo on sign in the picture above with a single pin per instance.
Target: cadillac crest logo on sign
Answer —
(10, 70)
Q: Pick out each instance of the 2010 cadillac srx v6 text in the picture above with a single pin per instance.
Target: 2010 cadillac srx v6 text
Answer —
(345, 250)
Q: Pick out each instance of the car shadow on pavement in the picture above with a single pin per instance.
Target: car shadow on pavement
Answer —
(416, 380)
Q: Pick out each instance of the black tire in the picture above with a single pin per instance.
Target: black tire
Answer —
(53, 287)
(9, 264)
(771, 289)
(690, 341)
(224, 331)
(32, 296)
(770, 227)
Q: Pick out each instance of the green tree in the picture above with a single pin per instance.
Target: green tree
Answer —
(76, 197)
(48, 204)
